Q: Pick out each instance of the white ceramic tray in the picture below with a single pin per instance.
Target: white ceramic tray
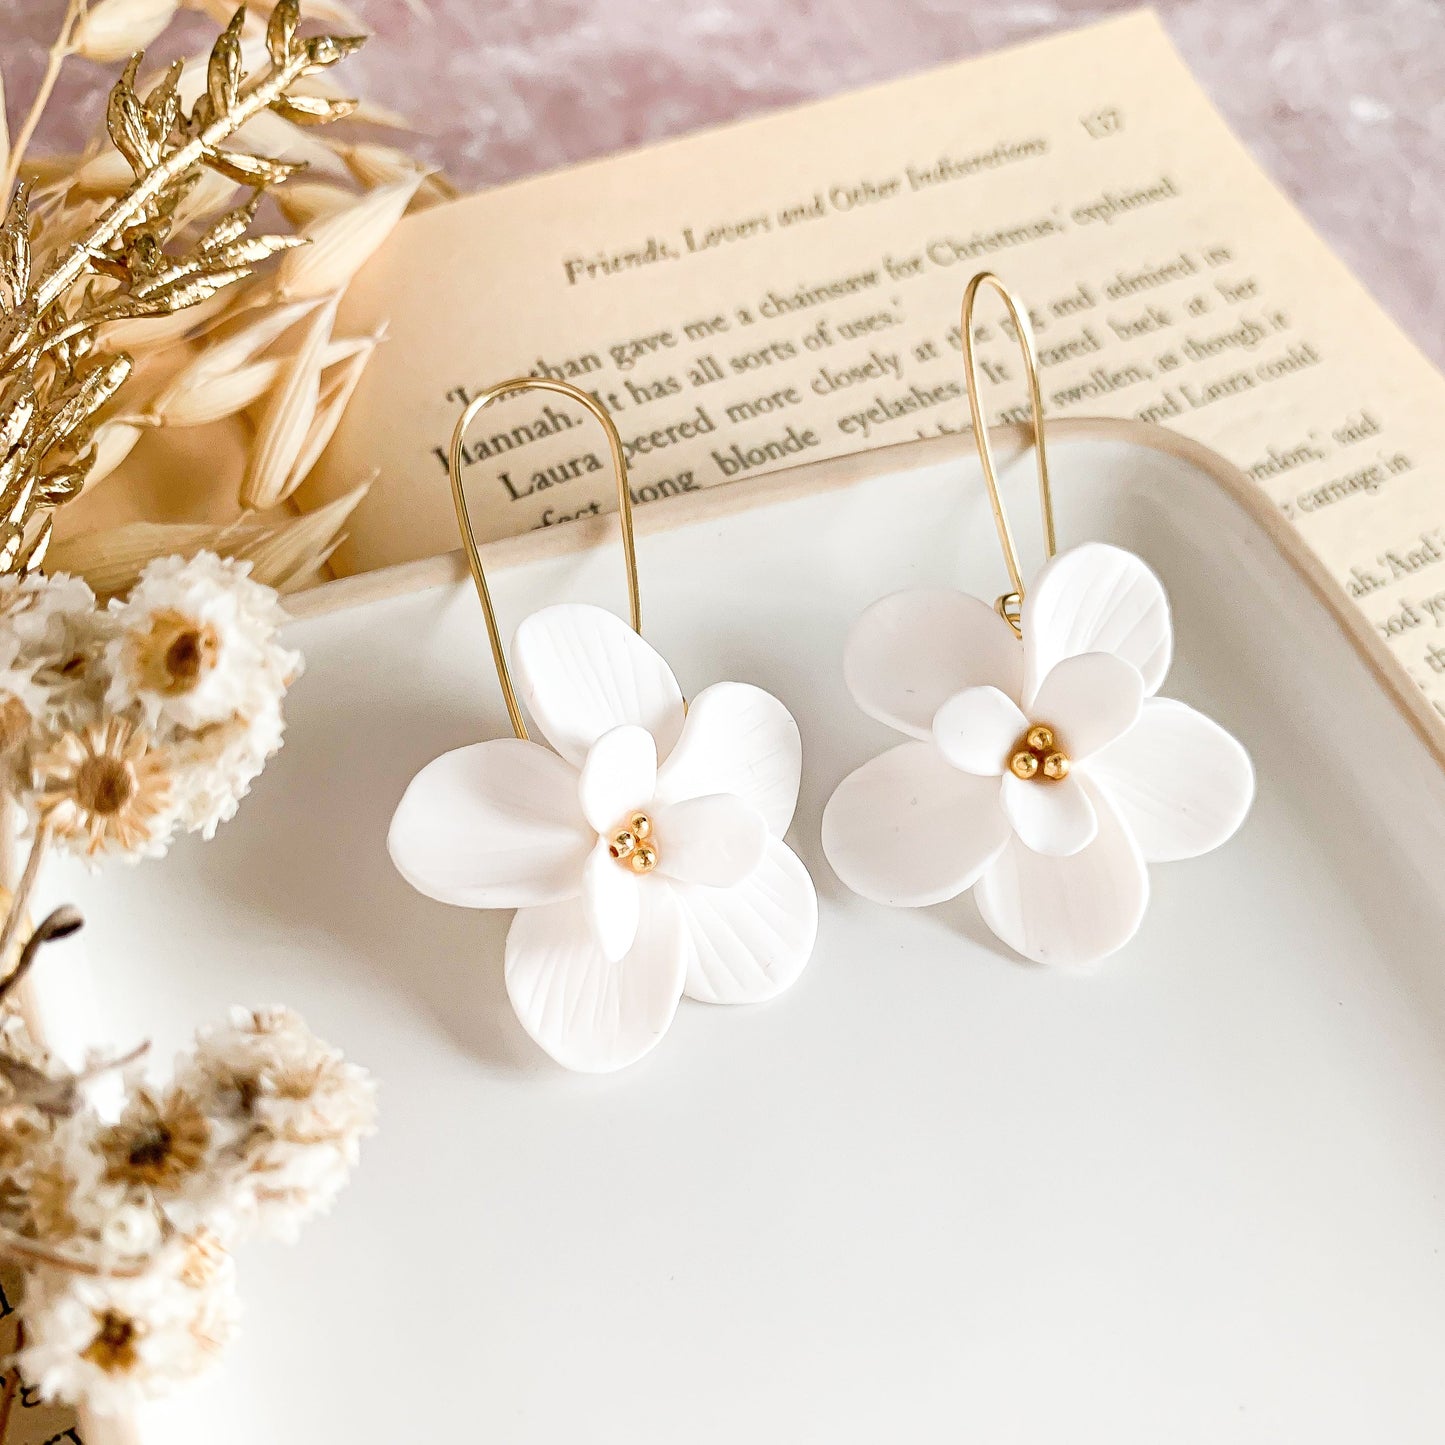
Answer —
(932, 1193)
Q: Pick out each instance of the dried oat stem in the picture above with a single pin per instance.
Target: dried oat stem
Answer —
(20, 1250)
(58, 53)
(20, 901)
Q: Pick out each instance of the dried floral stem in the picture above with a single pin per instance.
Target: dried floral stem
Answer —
(57, 57)
(251, 101)
(22, 1251)
(20, 900)
(60, 923)
(12, 1383)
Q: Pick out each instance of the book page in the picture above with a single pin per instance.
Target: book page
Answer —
(788, 289)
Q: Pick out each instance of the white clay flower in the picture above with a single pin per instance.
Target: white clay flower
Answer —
(644, 856)
(1043, 773)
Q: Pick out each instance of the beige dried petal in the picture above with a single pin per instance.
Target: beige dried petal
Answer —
(291, 552)
(236, 347)
(147, 332)
(304, 202)
(378, 165)
(201, 394)
(113, 441)
(366, 112)
(268, 134)
(106, 174)
(113, 30)
(283, 426)
(112, 558)
(4, 132)
(343, 243)
(336, 394)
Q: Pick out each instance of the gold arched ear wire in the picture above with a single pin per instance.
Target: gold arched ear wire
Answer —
(469, 539)
(1010, 604)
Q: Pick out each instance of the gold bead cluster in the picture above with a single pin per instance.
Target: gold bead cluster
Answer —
(633, 846)
(1038, 755)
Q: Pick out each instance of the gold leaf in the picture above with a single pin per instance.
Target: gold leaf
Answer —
(125, 119)
(189, 288)
(149, 332)
(341, 244)
(17, 414)
(312, 109)
(252, 170)
(281, 30)
(223, 74)
(230, 226)
(81, 401)
(114, 29)
(252, 250)
(282, 428)
(15, 246)
(163, 103)
(60, 485)
(325, 50)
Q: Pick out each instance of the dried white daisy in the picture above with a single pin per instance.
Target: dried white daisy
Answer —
(298, 1110)
(194, 646)
(51, 635)
(215, 767)
(111, 1342)
(105, 790)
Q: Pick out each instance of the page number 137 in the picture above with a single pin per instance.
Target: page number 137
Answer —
(1102, 123)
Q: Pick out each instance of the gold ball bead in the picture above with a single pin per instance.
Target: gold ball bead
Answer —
(622, 845)
(1040, 738)
(1056, 766)
(644, 860)
(641, 825)
(1023, 765)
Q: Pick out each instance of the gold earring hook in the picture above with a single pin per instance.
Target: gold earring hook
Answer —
(1010, 604)
(469, 538)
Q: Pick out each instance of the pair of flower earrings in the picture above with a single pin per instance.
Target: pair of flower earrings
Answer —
(643, 851)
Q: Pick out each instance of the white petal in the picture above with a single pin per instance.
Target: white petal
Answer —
(737, 739)
(977, 729)
(589, 1014)
(1181, 783)
(717, 840)
(493, 825)
(909, 653)
(1068, 910)
(748, 943)
(610, 892)
(1052, 816)
(582, 671)
(907, 829)
(1089, 700)
(618, 778)
(1096, 598)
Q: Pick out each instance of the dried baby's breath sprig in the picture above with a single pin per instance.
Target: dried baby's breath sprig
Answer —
(125, 1224)
(67, 278)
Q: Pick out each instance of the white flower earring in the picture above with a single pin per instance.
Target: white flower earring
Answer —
(1042, 770)
(643, 851)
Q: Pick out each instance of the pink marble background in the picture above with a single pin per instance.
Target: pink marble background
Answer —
(1342, 100)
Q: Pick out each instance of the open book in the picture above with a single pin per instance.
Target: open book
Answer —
(787, 290)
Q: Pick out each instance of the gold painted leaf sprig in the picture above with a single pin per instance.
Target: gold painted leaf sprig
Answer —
(56, 374)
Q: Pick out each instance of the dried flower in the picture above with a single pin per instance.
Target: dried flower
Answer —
(194, 646)
(159, 1144)
(112, 1343)
(105, 790)
(298, 1109)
